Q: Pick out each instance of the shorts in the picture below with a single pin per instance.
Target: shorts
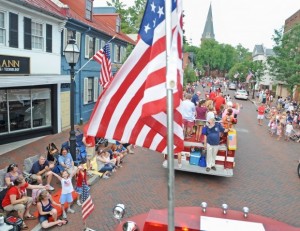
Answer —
(260, 117)
(17, 207)
(70, 170)
(35, 176)
(199, 122)
(43, 218)
(79, 190)
(188, 124)
(66, 198)
(90, 153)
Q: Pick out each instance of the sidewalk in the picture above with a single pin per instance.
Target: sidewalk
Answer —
(18, 151)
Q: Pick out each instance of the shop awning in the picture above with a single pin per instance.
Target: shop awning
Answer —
(32, 80)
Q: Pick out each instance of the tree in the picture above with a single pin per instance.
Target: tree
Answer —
(189, 76)
(285, 65)
(131, 16)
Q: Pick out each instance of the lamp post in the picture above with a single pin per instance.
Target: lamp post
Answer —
(72, 54)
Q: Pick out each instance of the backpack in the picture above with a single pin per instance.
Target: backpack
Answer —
(2, 195)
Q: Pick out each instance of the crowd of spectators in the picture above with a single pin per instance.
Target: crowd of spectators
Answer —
(108, 158)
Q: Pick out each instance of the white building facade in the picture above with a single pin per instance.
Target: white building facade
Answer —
(260, 53)
(30, 69)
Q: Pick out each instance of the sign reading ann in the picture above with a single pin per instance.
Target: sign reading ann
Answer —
(12, 65)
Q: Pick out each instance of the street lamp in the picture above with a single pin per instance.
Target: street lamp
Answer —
(72, 54)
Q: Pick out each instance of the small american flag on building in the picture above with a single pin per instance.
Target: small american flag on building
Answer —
(87, 203)
(103, 57)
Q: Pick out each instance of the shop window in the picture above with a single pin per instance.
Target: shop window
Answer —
(13, 30)
(91, 89)
(37, 39)
(3, 112)
(24, 109)
(2, 28)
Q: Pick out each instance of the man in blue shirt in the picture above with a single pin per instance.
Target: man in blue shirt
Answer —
(41, 169)
(195, 98)
(211, 134)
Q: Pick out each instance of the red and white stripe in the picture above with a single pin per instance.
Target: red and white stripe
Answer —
(105, 72)
(133, 107)
(87, 208)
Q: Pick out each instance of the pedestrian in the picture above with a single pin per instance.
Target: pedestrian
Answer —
(261, 111)
(288, 130)
(211, 134)
(195, 98)
(66, 191)
(188, 114)
(279, 130)
(81, 182)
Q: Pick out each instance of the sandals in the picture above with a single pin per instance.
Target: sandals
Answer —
(29, 217)
(24, 227)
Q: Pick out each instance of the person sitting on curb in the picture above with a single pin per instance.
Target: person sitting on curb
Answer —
(13, 172)
(105, 164)
(46, 210)
(66, 161)
(41, 169)
(16, 200)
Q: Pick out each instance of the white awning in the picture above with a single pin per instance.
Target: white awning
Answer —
(32, 80)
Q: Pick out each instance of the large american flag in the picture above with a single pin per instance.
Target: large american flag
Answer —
(133, 107)
(103, 57)
(87, 203)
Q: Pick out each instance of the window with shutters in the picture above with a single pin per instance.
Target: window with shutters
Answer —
(117, 53)
(48, 38)
(2, 28)
(90, 90)
(27, 33)
(89, 46)
(37, 35)
(13, 30)
(71, 34)
(88, 9)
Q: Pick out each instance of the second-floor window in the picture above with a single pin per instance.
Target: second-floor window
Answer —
(89, 46)
(2, 28)
(91, 88)
(118, 25)
(88, 9)
(37, 35)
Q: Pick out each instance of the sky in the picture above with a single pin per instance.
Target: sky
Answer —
(245, 22)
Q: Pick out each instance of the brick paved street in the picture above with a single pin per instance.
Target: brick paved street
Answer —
(264, 179)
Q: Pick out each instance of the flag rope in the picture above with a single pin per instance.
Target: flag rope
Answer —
(93, 56)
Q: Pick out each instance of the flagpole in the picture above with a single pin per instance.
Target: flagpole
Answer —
(93, 56)
(170, 120)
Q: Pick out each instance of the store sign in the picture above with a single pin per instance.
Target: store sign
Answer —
(12, 65)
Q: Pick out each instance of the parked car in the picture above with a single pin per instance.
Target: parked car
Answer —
(232, 86)
(241, 94)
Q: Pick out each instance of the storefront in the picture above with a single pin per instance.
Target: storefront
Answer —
(30, 110)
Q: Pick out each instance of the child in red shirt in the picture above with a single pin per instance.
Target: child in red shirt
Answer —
(81, 183)
(261, 111)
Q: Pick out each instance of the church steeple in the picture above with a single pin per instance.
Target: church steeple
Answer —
(208, 32)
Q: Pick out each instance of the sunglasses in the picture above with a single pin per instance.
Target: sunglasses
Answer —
(13, 165)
